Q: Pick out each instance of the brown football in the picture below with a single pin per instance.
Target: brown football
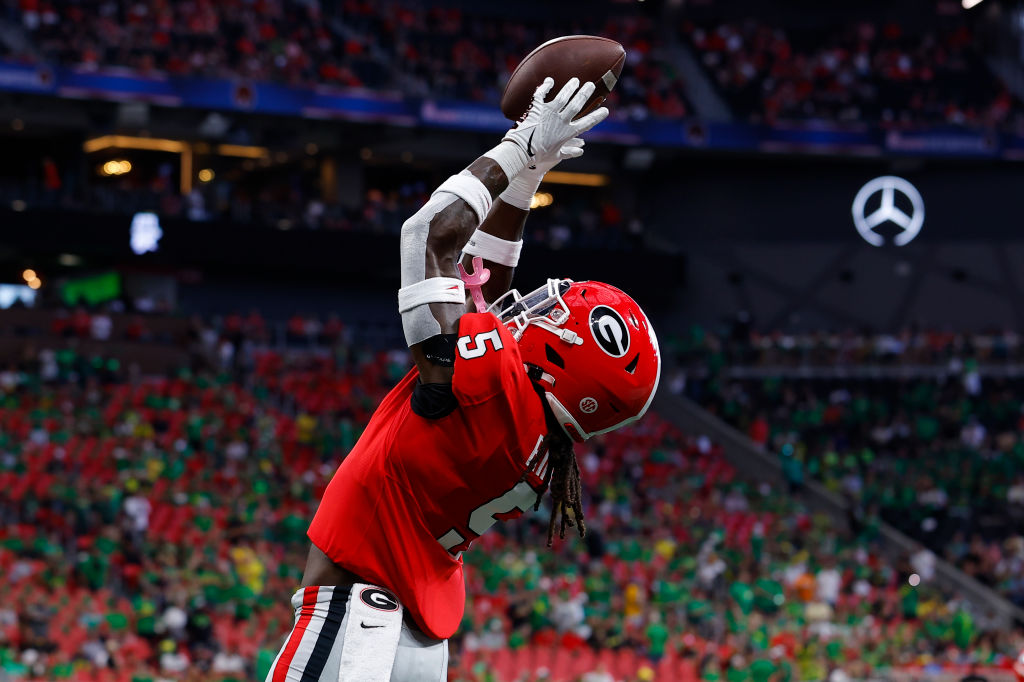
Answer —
(589, 58)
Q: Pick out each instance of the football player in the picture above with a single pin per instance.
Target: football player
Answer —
(479, 429)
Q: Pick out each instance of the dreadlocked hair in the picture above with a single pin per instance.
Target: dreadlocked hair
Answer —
(563, 482)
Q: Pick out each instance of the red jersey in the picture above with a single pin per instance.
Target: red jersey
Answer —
(414, 492)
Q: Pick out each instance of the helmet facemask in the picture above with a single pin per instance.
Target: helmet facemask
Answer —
(543, 307)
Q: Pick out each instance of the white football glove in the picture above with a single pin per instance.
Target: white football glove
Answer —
(549, 125)
(547, 128)
(572, 149)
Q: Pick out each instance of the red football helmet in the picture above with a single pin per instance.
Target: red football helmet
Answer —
(594, 349)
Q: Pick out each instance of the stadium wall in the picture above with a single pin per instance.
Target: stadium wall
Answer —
(777, 238)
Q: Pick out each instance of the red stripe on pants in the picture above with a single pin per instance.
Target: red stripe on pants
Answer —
(294, 639)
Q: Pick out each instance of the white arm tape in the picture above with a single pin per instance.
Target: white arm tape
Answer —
(418, 322)
(494, 249)
(521, 189)
(468, 187)
(510, 157)
(432, 290)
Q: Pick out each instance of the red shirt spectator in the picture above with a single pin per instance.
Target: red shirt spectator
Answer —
(51, 176)
(136, 330)
(255, 325)
(296, 327)
(332, 329)
(81, 323)
(233, 324)
(759, 430)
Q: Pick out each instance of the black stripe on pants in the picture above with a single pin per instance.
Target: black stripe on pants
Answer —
(328, 634)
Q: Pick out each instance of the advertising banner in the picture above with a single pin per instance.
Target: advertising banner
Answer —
(392, 108)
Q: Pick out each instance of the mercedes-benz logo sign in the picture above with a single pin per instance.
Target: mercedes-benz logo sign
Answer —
(888, 211)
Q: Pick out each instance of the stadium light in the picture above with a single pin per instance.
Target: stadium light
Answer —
(541, 199)
(581, 179)
(243, 150)
(116, 167)
(968, 4)
(185, 149)
(152, 144)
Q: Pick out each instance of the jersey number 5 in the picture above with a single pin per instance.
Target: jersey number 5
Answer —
(480, 343)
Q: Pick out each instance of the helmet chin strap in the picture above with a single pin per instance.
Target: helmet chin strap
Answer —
(566, 420)
(537, 374)
(557, 411)
(566, 335)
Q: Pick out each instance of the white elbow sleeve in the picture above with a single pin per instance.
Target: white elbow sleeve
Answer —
(468, 187)
(418, 292)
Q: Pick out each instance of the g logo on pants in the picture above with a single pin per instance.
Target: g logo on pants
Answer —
(378, 599)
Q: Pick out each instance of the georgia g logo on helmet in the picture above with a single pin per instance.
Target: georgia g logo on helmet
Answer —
(609, 330)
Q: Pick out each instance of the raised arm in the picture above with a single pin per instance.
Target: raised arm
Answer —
(432, 297)
(500, 239)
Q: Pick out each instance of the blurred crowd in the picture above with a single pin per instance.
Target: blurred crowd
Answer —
(455, 53)
(865, 72)
(861, 72)
(436, 52)
(109, 322)
(927, 435)
(741, 348)
(154, 525)
(686, 559)
(290, 199)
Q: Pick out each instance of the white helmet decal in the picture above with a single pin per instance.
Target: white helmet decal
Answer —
(609, 331)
